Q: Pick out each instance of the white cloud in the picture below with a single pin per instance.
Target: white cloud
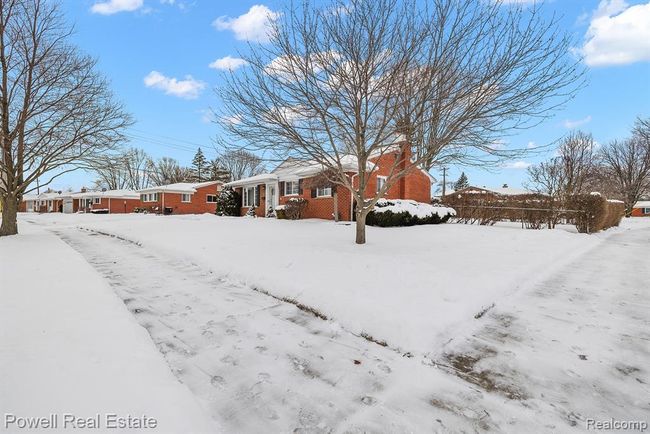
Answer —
(228, 63)
(618, 34)
(517, 165)
(531, 145)
(189, 88)
(110, 7)
(254, 25)
(569, 124)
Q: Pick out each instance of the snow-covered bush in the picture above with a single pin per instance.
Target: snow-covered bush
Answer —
(251, 212)
(228, 202)
(293, 209)
(400, 212)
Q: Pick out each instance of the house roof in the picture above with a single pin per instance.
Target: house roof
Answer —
(27, 197)
(111, 194)
(51, 195)
(503, 191)
(179, 187)
(642, 204)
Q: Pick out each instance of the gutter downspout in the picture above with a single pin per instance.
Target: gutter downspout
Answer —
(162, 211)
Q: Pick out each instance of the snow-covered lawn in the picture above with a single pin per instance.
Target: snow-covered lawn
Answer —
(488, 328)
(406, 286)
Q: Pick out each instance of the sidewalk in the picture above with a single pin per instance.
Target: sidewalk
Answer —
(70, 350)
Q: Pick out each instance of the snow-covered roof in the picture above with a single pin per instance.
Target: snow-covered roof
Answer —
(642, 204)
(51, 195)
(112, 194)
(503, 191)
(179, 187)
(29, 197)
(253, 180)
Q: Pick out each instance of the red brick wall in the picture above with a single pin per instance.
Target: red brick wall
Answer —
(117, 206)
(322, 207)
(260, 211)
(638, 212)
(198, 203)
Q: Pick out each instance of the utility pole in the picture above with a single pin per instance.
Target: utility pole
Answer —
(444, 181)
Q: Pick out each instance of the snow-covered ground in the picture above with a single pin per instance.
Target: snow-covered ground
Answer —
(566, 340)
(69, 348)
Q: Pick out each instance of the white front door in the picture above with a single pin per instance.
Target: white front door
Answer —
(271, 196)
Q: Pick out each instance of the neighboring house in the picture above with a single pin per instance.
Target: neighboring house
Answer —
(301, 179)
(106, 202)
(29, 203)
(181, 198)
(641, 209)
(50, 202)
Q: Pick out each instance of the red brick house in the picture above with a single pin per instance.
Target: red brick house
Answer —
(181, 198)
(51, 201)
(104, 202)
(300, 179)
(641, 209)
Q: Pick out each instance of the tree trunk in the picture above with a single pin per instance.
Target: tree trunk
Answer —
(361, 227)
(9, 216)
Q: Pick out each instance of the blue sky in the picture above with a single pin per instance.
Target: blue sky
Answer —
(157, 55)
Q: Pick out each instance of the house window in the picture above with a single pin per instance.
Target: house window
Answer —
(211, 198)
(149, 197)
(97, 200)
(324, 192)
(291, 188)
(249, 196)
(381, 181)
(186, 197)
(645, 211)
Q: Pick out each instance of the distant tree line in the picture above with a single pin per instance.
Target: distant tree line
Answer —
(619, 169)
(134, 169)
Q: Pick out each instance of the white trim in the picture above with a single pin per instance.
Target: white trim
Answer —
(323, 189)
(292, 182)
(189, 198)
(384, 179)
(210, 194)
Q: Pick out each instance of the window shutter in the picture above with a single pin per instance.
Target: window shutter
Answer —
(300, 187)
(280, 189)
(257, 195)
(313, 192)
(333, 190)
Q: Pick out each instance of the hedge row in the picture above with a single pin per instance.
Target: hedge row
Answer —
(404, 218)
(588, 212)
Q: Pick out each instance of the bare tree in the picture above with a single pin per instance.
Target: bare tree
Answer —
(110, 171)
(240, 163)
(167, 171)
(126, 169)
(338, 81)
(628, 163)
(55, 110)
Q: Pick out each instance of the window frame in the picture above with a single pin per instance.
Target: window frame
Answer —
(327, 192)
(383, 180)
(248, 198)
(208, 196)
(292, 183)
(645, 211)
(97, 200)
(189, 197)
